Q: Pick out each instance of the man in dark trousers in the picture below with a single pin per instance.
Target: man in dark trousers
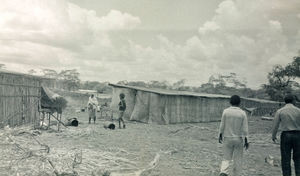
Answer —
(288, 118)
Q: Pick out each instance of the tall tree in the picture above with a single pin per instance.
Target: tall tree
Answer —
(138, 83)
(2, 66)
(71, 77)
(231, 80)
(159, 84)
(31, 71)
(282, 80)
(124, 82)
(179, 84)
(294, 67)
(49, 73)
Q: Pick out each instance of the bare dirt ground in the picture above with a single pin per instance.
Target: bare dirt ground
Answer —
(140, 149)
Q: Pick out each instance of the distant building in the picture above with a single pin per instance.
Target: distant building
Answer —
(93, 92)
(88, 92)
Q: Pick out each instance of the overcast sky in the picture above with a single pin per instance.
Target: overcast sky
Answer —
(112, 40)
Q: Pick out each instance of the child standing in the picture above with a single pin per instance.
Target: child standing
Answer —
(122, 108)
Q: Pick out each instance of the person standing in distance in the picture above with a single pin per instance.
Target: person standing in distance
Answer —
(233, 128)
(288, 119)
(122, 108)
(92, 108)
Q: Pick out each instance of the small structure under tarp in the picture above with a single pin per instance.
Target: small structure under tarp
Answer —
(51, 105)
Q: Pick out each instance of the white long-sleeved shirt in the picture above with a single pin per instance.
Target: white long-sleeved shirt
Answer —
(234, 123)
(93, 101)
(288, 118)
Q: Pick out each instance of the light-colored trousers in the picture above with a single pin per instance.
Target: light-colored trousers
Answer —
(232, 150)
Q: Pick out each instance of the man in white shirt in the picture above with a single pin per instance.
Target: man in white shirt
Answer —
(233, 128)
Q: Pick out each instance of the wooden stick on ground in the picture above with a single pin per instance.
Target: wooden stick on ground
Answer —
(59, 121)
(150, 167)
(176, 131)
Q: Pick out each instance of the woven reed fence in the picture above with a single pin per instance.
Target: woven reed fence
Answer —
(169, 107)
(19, 99)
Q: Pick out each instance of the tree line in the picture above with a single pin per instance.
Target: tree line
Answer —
(281, 80)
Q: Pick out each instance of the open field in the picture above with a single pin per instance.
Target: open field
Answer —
(140, 149)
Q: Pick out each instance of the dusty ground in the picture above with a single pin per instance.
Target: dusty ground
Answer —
(140, 149)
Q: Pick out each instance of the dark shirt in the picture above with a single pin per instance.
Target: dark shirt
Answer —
(122, 105)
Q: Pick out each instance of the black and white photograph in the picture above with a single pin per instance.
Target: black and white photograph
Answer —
(149, 88)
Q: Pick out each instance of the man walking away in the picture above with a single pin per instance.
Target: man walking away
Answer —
(288, 118)
(233, 127)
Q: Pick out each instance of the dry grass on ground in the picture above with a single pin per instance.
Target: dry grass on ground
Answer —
(140, 149)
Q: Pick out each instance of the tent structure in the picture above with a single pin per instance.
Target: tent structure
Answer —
(159, 106)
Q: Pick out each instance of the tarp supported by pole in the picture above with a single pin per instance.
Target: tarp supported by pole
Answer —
(52, 101)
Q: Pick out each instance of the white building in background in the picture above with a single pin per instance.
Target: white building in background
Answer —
(93, 92)
(88, 92)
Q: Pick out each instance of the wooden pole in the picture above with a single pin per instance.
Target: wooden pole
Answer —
(58, 117)
(43, 116)
(49, 120)
(59, 121)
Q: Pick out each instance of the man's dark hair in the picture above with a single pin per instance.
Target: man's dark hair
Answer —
(235, 100)
(289, 98)
(122, 95)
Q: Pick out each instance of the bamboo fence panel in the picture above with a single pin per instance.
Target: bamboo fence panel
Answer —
(19, 98)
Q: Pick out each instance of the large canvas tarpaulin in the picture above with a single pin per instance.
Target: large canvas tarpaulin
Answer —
(129, 98)
(48, 97)
(149, 108)
(157, 109)
(141, 107)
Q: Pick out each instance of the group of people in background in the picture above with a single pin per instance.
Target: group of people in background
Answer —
(233, 134)
(92, 106)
